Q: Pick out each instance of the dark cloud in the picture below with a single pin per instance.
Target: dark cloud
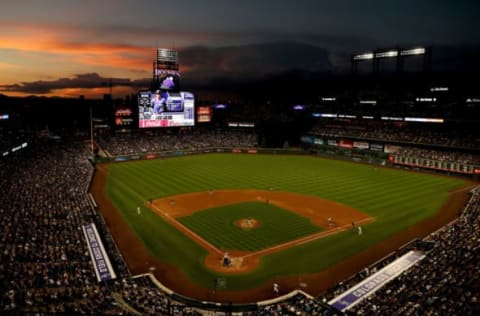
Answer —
(251, 61)
(464, 58)
(82, 81)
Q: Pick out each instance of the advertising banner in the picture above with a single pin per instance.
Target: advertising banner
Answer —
(344, 143)
(307, 139)
(374, 282)
(318, 141)
(332, 142)
(376, 147)
(100, 260)
(204, 114)
(361, 145)
(391, 149)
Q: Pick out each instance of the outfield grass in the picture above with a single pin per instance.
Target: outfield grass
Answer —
(217, 225)
(397, 199)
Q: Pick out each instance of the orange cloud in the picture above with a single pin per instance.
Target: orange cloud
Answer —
(115, 56)
(84, 48)
(92, 93)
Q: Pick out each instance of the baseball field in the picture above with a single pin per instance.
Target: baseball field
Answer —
(287, 219)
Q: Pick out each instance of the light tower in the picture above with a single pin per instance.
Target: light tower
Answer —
(400, 54)
(165, 70)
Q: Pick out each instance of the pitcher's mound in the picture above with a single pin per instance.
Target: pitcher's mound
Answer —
(248, 223)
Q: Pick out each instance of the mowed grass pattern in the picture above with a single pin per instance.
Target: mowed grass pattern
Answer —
(217, 225)
(397, 199)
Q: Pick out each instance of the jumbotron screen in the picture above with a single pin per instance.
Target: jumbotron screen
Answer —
(165, 109)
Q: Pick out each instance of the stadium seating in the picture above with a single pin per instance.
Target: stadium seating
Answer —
(446, 282)
(159, 141)
(45, 266)
(420, 135)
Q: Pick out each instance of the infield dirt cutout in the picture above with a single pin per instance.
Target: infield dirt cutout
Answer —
(333, 217)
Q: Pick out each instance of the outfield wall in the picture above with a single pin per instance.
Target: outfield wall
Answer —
(177, 153)
(380, 160)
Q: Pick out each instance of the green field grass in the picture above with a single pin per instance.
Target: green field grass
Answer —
(217, 225)
(397, 199)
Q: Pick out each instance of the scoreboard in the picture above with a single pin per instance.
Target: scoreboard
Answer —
(165, 109)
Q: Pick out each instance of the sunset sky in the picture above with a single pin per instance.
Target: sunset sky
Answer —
(72, 48)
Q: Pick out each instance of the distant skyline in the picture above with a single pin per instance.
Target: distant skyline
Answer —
(72, 48)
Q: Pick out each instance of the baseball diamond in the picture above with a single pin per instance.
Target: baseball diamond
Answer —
(280, 231)
(191, 204)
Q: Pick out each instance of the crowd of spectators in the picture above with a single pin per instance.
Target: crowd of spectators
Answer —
(446, 282)
(298, 304)
(405, 134)
(441, 155)
(45, 266)
(345, 285)
(409, 142)
(161, 141)
(147, 299)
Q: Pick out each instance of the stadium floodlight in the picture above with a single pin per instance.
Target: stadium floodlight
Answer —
(246, 125)
(368, 102)
(391, 118)
(413, 51)
(166, 55)
(426, 99)
(437, 89)
(473, 100)
(328, 98)
(240, 124)
(365, 56)
(387, 54)
(424, 119)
